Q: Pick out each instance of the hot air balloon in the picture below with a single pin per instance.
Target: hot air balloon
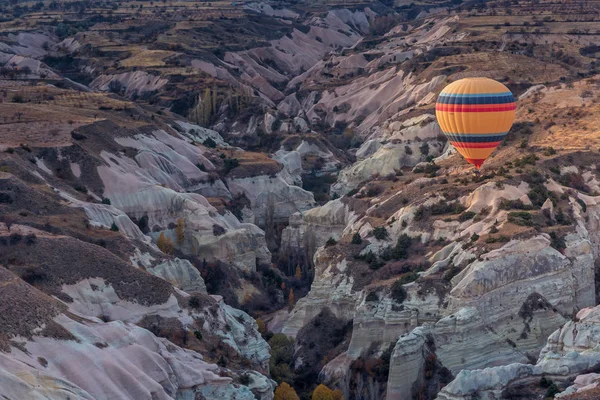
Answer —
(475, 114)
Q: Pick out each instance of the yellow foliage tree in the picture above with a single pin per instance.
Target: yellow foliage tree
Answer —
(337, 394)
(180, 231)
(262, 329)
(322, 392)
(164, 244)
(291, 298)
(298, 272)
(285, 392)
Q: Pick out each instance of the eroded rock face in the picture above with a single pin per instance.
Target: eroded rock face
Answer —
(502, 308)
(315, 226)
(330, 289)
(272, 198)
(570, 351)
(388, 154)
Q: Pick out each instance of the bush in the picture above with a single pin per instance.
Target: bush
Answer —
(30, 239)
(230, 163)
(80, 188)
(245, 379)
(527, 160)
(408, 277)
(198, 335)
(513, 205)
(575, 181)
(440, 208)
(557, 242)
(371, 259)
(451, 273)
(209, 142)
(356, 239)
(114, 227)
(194, 302)
(398, 293)
(380, 233)
(372, 297)
(467, 215)
(218, 230)
(522, 218)
(400, 250)
(105, 201)
(330, 242)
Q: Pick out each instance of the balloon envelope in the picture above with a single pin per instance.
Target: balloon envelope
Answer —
(475, 114)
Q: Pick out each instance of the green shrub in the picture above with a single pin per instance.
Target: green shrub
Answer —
(408, 277)
(194, 302)
(114, 227)
(356, 239)
(451, 273)
(522, 218)
(398, 293)
(198, 335)
(230, 163)
(380, 233)
(245, 379)
(330, 242)
(400, 250)
(506, 204)
(575, 181)
(209, 142)
(372, 297)
(557, 242)
(467, 215)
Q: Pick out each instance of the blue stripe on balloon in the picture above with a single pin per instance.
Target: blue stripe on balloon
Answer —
(476, 94)
(475, 138)
(490, 98)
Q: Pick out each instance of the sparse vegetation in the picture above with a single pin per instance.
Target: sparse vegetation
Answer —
(380, 233)
(356, 239)
(398, 293)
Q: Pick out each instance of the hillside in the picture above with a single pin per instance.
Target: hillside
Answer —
(207, 200)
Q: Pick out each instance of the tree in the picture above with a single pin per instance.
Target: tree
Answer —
(291, 298)
(298, 274)
(262, 329)
(180, 231)
(114, 227)
(164, 244)
(356, 239)
(285, 392)
(337, 395)
(322, 392)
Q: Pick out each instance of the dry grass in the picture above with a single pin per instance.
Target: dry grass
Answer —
(147, 58)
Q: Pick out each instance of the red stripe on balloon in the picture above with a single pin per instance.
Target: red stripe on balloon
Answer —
(477, 162)
(475, 108)
(474, 145)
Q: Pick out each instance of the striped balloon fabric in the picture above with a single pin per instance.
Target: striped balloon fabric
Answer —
(475, 114)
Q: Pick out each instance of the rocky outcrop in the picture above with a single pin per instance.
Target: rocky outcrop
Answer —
(570, 351)
(272, 198)
(381, 157)
(502, 308)
(313, 227)
(132, 82)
